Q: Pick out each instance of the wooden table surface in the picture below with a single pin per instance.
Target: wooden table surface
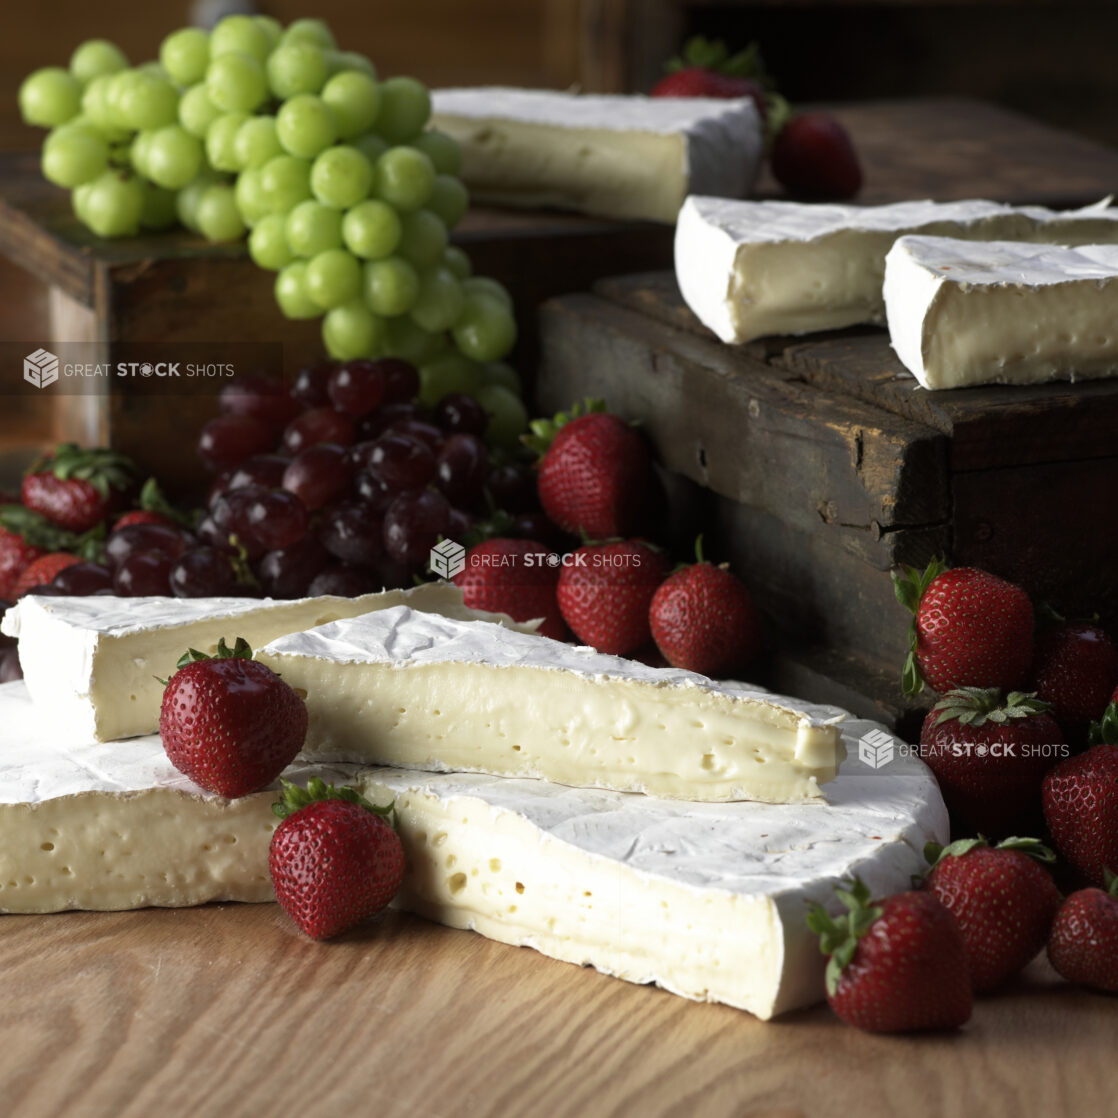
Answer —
(227, 1011)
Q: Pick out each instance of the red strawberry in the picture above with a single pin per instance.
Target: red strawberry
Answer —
(703, 619)
(142, 516)
(605, 590)
(707, 70)
(24, 537)
(1002, 899)
(1083, 943)
(517, 577)
(42, 571)
(813, 157)
(896, 965)
(16, 555)
(990, 756)
(76, 488)
(1075, 669)
(229, 723)
(1080, 798)
(595, 478)
(970, 629)
(335, 859)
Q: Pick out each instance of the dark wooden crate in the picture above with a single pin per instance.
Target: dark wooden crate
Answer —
(829, 466)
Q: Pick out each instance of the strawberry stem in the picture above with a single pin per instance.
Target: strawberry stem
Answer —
(293, 798)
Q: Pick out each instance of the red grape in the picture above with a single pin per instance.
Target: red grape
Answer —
(374, 491)
(513, 488)
(208, 532)
(357, 387)
(318, 475)
(310, 387)
(273, 519)
(458, 525)
(319, 425)
(203, 572)
(413, 524)
(343, 580)
(218, 486)
(419, 429)
(537, 526)
(354, 532)
(401, 379)
(135, 539)
(289, 571)
(403, 462)
(142, 574)
(260, 469)
(370, 426)
(461, 469)
(457, 412)
(10, 668)
(261, 397)
(83, 579)
(225, 442)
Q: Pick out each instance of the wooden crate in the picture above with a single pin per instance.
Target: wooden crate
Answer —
(828, 466)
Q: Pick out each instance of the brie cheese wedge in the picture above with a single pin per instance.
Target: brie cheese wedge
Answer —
(963, 313)
(611, 155)
(748, 269)
(94, 665)
(400, 687)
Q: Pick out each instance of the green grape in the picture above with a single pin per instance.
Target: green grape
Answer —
(256, 141)
(486, 329)
(79, 199)
(457, 261)
(371, 146)
(186, 201)
(240, 35)
(295, 68)
(217, 215)
(498, 372)
(315, 31)
(120, 155)
(74, 155)
(285, 182)
(313, 228)
(354, 99)
(449, 199)
(159, 208)
(407, 340)
(352, 330)
(138, 153)
(352, 60)
(305, 125)
(404, 178)
(483, 285)
(267, 243)
(372, 229)
(341, 177)
(448, 372)
(95, 104)
(96, 57)
(146, 100)
(424, 238)
(291, 293)
(405, 106)
(221, 141)
(49, 97)
(152, 69)
(441, 149)
(272, 28)
(508, 418)
(185, 54)
(332, 277)
(196, 111)
(236, 83)
(391, 286)
(114, 203)
(250, 198)
(173, 157)
(440, 301)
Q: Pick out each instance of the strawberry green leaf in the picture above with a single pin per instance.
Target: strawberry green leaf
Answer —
(1034, 848)
(839, 935)
(152, 499)
(543, 431)
(293, 798)
(1110, 881)
(1105, 731)
(975, 706)
(909, 586)
(241, 650)
(36, 530)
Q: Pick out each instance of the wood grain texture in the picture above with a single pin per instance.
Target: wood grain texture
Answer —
(226, 1011)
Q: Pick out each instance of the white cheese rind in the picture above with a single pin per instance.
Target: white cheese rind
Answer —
(749, 269)
(94, 664)
(962, 313)
(611, 155)
(402, 688)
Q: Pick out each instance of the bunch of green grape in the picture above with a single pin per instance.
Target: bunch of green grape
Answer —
(343, 189)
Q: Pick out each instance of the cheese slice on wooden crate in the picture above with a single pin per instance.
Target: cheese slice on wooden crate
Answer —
(706, 900)
(95, 664)
(400, 687)
(610, 155)
(1001, 312)
(748, 269)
